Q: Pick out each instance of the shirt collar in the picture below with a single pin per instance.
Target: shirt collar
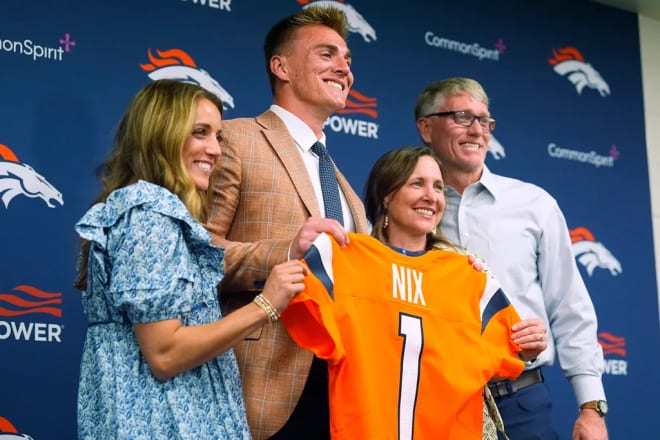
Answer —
(300, 132)
(489, 181)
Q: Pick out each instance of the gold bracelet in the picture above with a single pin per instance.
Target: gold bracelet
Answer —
(275, 313)
(271, 312)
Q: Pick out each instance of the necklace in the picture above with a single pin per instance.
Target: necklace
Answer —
(407, 252)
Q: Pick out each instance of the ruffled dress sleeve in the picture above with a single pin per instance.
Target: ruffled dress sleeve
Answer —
(147, 253)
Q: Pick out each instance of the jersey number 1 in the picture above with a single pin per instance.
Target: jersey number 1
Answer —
(410, 329)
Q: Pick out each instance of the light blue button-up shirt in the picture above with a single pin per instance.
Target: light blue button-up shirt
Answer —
(519, 229)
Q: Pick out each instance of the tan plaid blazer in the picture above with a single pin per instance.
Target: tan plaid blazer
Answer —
(259, 197)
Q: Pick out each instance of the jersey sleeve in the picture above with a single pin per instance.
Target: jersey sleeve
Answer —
(310, 316)
(497, 317)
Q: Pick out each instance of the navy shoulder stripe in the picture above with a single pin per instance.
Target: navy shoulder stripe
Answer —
(497, 302)
(315, 263)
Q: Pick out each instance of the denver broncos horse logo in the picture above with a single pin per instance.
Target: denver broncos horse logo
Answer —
(177, 64)
(356, 22)
(569, 61)
(592, 254)
(17, 178)
(495, 148)
(9, 432)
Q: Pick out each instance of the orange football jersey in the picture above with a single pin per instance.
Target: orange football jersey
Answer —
(410, 341)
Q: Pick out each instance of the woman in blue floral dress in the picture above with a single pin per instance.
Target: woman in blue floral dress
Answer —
(157, 361)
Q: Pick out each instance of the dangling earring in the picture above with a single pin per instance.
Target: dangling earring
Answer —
(386, 223)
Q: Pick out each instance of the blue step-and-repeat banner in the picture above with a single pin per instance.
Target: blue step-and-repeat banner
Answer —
(564, 79)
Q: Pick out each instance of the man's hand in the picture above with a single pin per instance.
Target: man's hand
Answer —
(531, 336)
(311, 229)
(589, 426)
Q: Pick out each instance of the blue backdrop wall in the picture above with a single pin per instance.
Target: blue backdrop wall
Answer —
(564, 79)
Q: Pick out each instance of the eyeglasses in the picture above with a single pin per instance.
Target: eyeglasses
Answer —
(467, 119)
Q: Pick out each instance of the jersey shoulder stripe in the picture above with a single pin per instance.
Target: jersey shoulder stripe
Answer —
(497, 302)
(319, 261)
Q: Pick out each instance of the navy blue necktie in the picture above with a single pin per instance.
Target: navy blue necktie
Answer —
(329, 187)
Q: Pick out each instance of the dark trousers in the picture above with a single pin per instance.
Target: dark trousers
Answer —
(527, 414)
(310, 419)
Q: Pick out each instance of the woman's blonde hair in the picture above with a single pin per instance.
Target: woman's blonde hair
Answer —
(148, 146)
(149, 141)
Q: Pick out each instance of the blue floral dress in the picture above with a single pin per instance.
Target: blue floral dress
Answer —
(150, 261)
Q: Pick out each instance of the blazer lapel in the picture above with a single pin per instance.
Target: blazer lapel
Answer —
(287, 151)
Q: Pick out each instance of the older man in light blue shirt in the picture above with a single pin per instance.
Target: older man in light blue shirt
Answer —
(520, 231)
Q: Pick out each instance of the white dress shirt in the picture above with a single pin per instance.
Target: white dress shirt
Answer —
(305, 138)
